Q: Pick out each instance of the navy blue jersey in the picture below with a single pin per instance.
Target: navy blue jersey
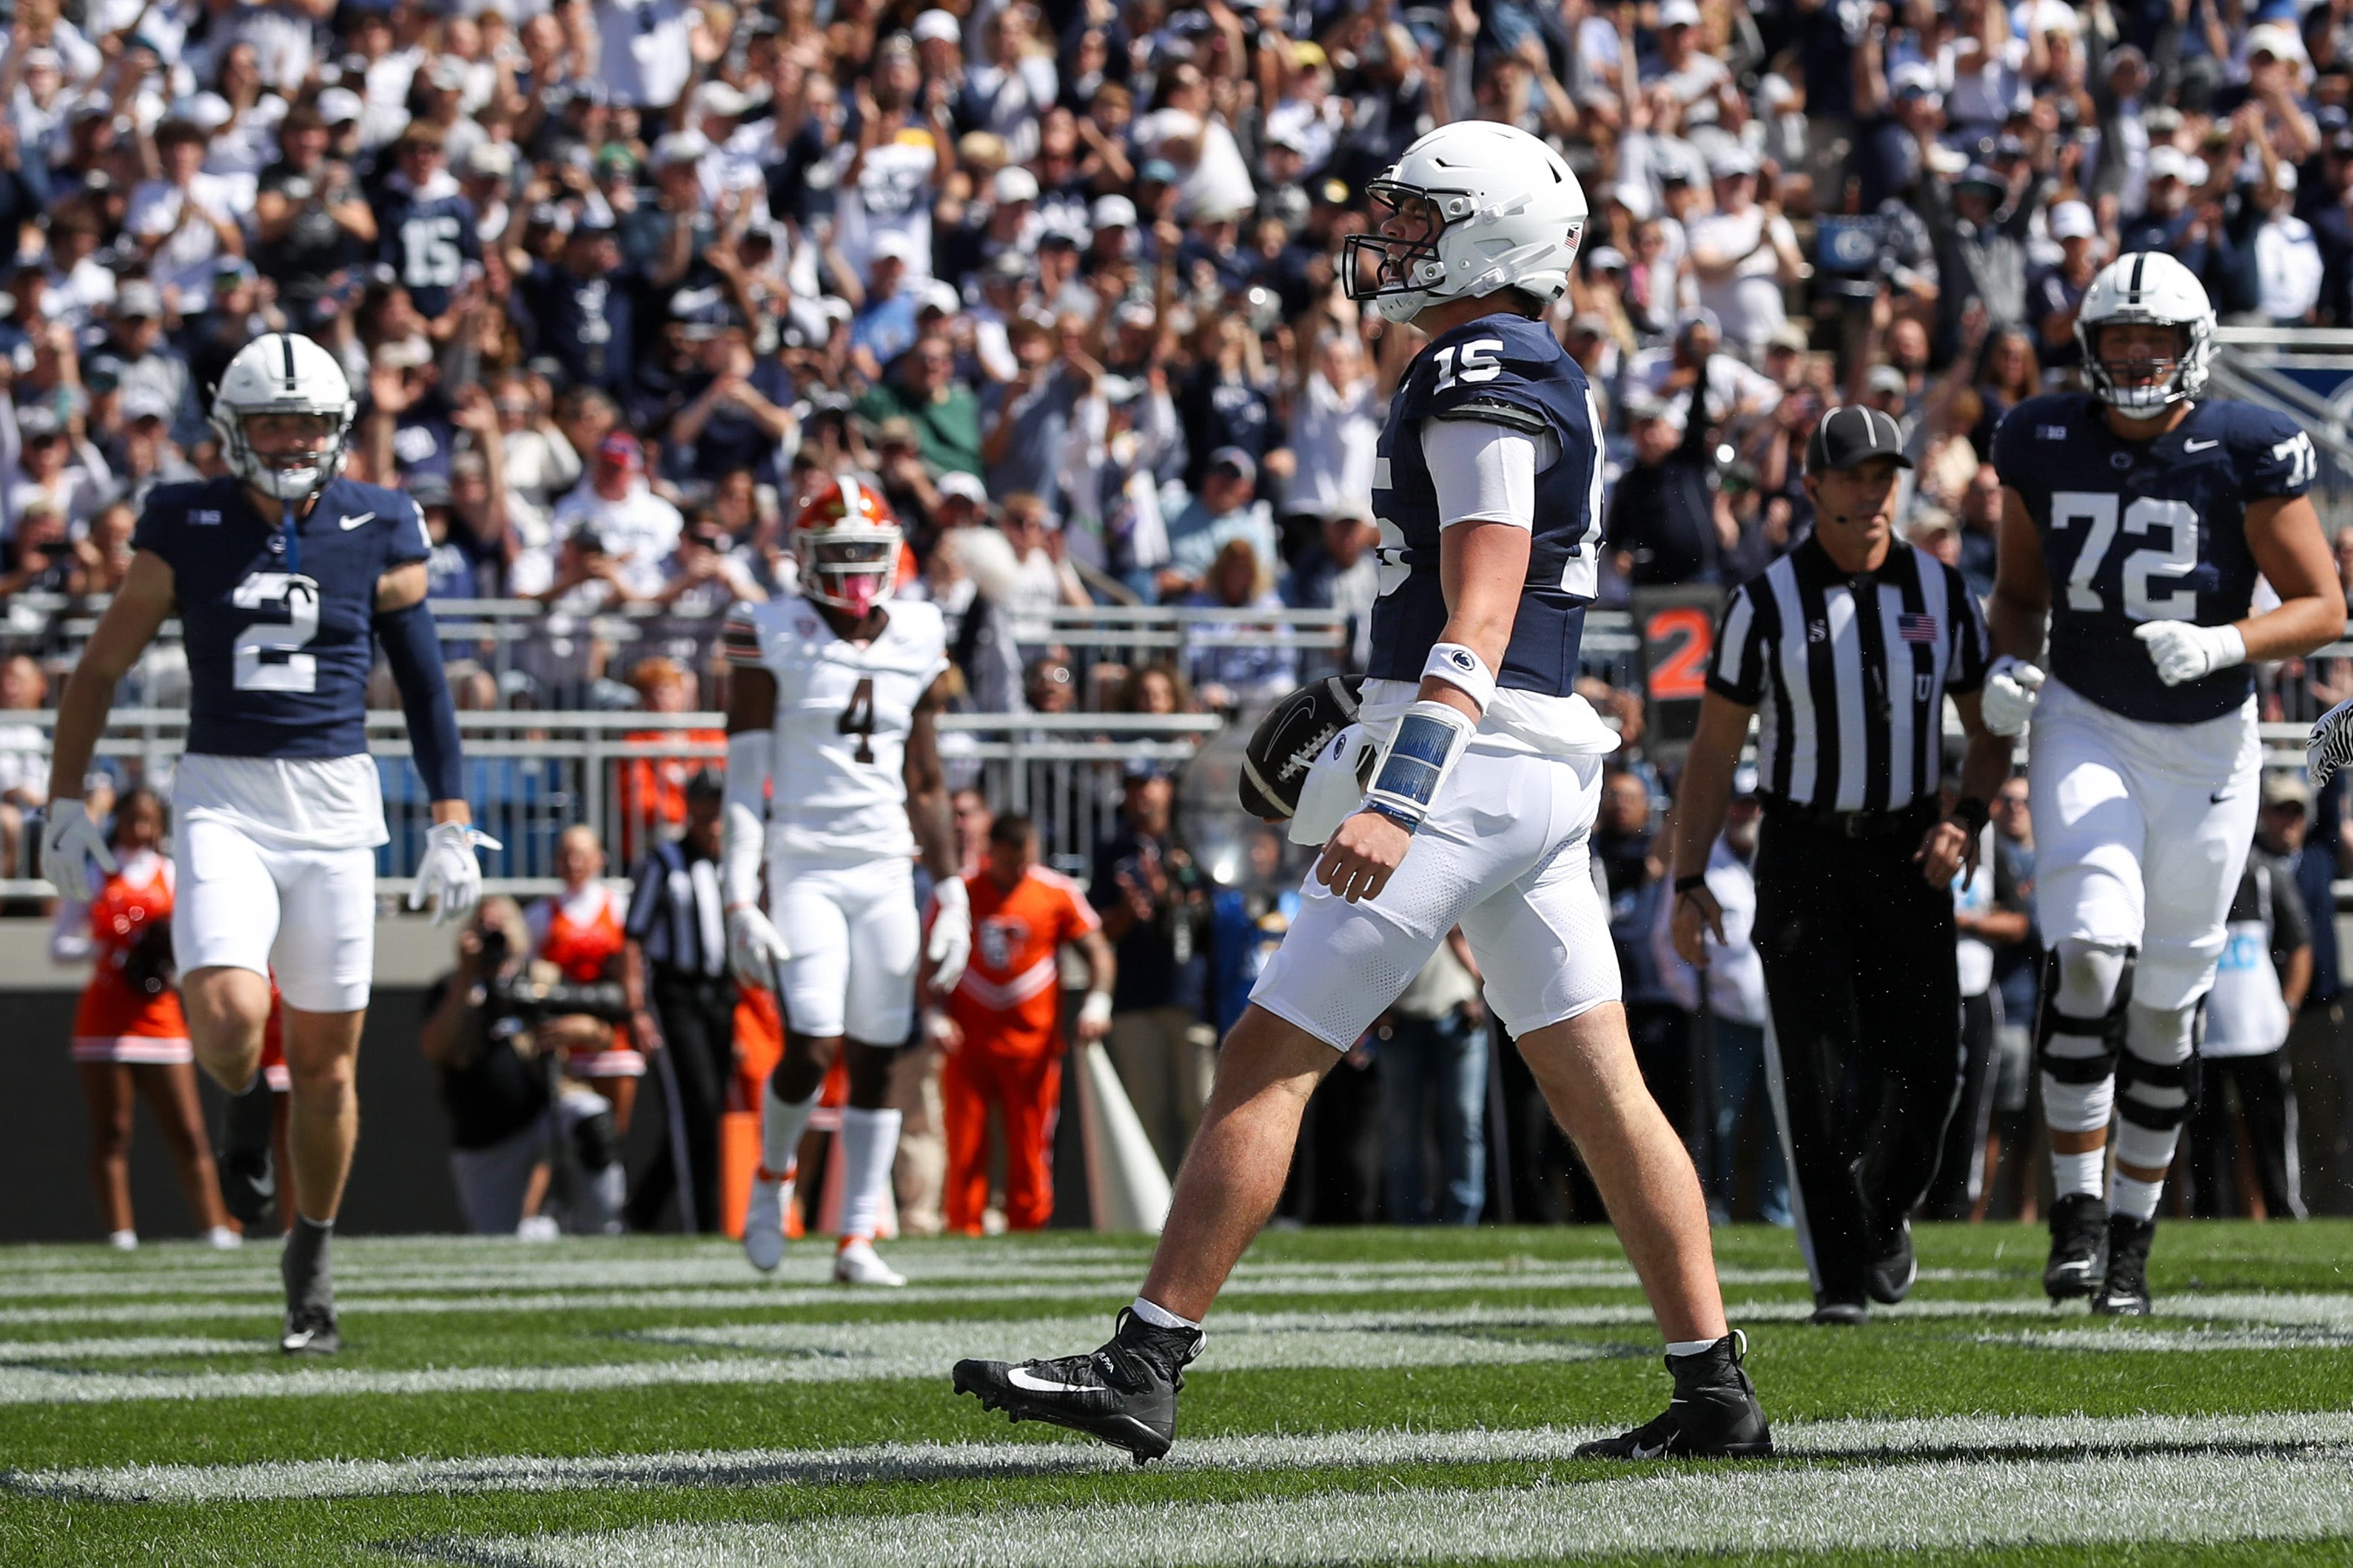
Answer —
(426, 240)
(279, 659)
(2146, 530)
(1510, 371)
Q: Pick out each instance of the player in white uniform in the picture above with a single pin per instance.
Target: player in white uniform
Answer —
(833, 777)
(1488, 486)
(285, 578)
(2136, 519)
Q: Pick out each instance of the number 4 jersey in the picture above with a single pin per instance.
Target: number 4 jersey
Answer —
(844, 710)
(2146, 530)
(280, 650)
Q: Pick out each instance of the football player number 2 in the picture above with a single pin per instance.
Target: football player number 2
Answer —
(2151, 577)
(857, 719)
(268, 656)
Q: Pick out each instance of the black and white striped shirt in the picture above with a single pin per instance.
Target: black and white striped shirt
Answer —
(678, 914)
(1848, 672)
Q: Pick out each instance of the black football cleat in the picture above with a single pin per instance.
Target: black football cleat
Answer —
(1124, 1393)
(311, 1331)
(2123, 1293)
(2079, 1247)
(247, 1186)
(1839, 1312)
(1712, 1415)
(1889, 1278)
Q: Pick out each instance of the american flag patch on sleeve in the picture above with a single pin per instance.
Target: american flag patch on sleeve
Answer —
(1917, 629)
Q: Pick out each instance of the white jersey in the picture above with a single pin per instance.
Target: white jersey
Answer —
(844, 710)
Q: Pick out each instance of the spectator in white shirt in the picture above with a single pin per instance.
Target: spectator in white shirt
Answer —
(24, 760)
(1744, 254)
(2287, 257)
(182, 221)
(637, 529)
(1336, 425)
(646, 51)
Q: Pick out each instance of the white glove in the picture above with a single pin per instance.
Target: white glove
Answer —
(950, 944)
(755, 949)
(450, 873)
(70, 842)
(2184, 653)
(2012, 687)
(2329, 747)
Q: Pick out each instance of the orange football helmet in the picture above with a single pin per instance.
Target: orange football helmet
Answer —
(847, 545)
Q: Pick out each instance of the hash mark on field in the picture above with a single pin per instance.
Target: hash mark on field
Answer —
(1746, 1508)
(1977, 1437)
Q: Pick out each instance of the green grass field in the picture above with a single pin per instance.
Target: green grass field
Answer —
(1366, 1396)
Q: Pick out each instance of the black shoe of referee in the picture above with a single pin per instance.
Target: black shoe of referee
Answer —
(1714, 1415)
(2079, 1247)
(1893, 1267)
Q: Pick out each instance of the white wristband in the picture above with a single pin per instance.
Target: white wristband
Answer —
(2231, 648)
(1463, 668)
(1096, 1008)
(743, 831)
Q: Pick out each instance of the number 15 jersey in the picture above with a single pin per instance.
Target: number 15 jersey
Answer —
(844, 710)
(2135, 531)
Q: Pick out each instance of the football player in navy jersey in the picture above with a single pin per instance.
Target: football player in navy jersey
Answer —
(2137, 518)
(284, 578)
(1484, 773)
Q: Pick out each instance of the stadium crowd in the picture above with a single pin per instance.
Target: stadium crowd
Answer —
(615, 281)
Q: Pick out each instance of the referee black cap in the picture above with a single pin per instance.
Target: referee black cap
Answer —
(1851, 435)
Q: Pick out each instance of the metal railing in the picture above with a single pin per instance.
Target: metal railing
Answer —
(529, 776)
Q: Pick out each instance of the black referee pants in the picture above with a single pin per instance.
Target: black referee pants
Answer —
(697, 1014)
(1865, 1052)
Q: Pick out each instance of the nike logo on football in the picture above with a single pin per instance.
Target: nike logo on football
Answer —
(351, 522)
(1032, 1384)
(2198, 446)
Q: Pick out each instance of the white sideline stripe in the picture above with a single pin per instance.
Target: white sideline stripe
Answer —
(2175, 1341)
(1730, 1508)
(827, 1353)
(1985, 1438)
(126, 1347)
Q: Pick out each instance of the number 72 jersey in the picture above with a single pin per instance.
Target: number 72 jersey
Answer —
(2136, 532)
(844, 710)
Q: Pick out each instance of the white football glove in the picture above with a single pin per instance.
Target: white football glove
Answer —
(2012, 687)
(950, 945)
(2330, 746)
(755, 949)
(70, 842)
(2184, 653)
(449, 876)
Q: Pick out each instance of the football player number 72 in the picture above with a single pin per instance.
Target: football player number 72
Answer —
(2150, 577)
(267, 653)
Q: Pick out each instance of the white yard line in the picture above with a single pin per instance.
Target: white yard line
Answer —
(126, 1347)
(1984, 1438)
(1896, 1508)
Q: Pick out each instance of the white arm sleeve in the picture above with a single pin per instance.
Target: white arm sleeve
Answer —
(743, 826)
(1485, 472)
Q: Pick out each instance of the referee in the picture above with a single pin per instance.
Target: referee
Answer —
(1845, 650)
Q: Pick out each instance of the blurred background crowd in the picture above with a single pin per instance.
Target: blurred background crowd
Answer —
(613, 280)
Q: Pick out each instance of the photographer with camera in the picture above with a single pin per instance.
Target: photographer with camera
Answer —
(496, 1032)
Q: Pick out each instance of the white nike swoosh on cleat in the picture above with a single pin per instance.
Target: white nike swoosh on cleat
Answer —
(1032, 1384)
(2198, 446)
(351, 522)
(1658, 1453)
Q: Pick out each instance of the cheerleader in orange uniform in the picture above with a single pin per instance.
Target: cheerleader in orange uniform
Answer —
(130, 1038)
(579, 932)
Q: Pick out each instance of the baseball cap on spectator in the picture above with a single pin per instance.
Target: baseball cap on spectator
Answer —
(137, 299)
(1912, 79)
(961, 486)
(448, 74)
(1673, 171)
(1887, 378)
(1235, 458)
(594, 223)
(1732, 163)
(42, 57)
(2073, 220)
(1979, 175)
(892, 245)
(491, 159)
(230, 271)
(621, 450)
(1702, 317)
(145, 403)
(429, 489)
(1006, 267)
(2278, 39)
(1157, 172)
(1678, 14)
(937, 294)
(1774, 91)
(2167, 162)
(1634, 198)
(1136, 313)
(1605, 258)
(1013, 184)
(680, 147)
(1058, 239)
(718, 98)
(403, 353)
(341, 106)
(1788, 335)
(207, 111)
(1113, 211)
(2283, 786)
(38, 419)
(936, 26)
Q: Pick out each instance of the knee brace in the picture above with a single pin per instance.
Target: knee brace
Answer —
(2076, 1048)
(2157, 1082)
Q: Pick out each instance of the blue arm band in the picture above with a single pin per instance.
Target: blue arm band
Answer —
(1429, 739)
(413, 652)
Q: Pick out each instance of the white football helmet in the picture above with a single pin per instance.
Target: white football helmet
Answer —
(281, 373)
(2147, 287)
(1511, 215)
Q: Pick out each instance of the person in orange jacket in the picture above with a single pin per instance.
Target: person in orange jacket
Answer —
(1002, 1026)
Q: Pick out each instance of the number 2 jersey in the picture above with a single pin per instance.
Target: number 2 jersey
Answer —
(278, 652)
(2146, 530)
(844, 710)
